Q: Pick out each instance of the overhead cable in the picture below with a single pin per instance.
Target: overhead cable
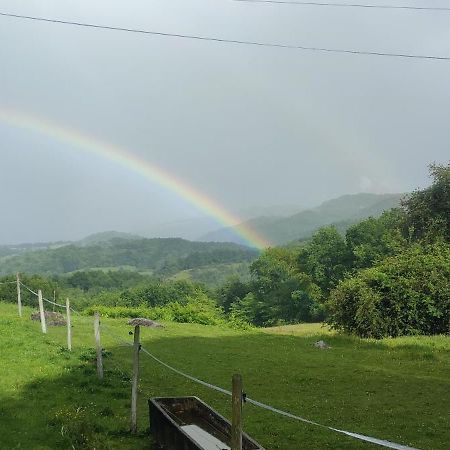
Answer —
(349, 5)
(230, 41)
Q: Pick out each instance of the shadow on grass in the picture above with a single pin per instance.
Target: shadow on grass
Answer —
(76, 410)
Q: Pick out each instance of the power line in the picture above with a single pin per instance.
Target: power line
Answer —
(349, 5)
(229, 41)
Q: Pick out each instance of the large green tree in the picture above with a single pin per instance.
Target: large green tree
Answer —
(373, 239)
(326, 258)
(279, 291)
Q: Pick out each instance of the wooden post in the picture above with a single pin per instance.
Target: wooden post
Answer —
(135, 380)
(98, 345)
(236, 418)
(19, 297)
(41, 311)
(69, 326)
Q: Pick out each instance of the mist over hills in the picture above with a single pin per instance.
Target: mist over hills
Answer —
(155, 256)
(342, 212)
(193, 228)
(219, 251)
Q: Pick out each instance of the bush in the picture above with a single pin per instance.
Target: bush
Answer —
(405, 294)
(200, 309)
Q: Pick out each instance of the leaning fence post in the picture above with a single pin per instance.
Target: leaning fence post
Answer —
(135, 380)
(41, 311)
(97, 345)
(19, 297)
(236, 418)
(69, 326)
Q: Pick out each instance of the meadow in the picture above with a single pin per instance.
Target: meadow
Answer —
(395, 389)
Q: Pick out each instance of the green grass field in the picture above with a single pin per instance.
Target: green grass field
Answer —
(396, 389)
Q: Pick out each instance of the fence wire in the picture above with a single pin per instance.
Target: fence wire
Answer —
(361, 437)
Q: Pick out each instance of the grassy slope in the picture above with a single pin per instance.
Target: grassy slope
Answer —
(393, 389)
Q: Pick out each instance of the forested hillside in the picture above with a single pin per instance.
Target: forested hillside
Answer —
(342, 212)
(158, 256)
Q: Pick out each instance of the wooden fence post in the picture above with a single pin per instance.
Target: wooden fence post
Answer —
(98, 345)
(41, 311)
(135, 380)
(236, 418)
(19, 297)
(69, 326)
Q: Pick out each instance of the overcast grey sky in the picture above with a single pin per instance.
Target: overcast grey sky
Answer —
(248, 126)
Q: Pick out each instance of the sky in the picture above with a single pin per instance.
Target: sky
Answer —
(245, 126)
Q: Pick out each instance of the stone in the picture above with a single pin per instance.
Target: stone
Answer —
(321, 344)
(145, 323)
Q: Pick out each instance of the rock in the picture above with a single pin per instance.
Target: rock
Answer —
(145, 323)
(52, 318)
(321, 344)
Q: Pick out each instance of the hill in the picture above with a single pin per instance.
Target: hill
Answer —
(158, 256)
(17, 249)
(105, 236)
(342, 211)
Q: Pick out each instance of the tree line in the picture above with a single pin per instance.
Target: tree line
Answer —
(385, 276)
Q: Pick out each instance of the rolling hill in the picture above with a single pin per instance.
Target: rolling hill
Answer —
(342, 211)
(158, 256)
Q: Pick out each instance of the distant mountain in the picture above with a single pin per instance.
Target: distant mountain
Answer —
(254, 212)
(158, 256)
(193, 228)
(342, 211)
(105, 236)
(188, 229)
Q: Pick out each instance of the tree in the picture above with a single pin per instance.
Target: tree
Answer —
(231, 292)
(279, 292)
(326, 258)
(405, 294)
(373, 239)
(428, 210)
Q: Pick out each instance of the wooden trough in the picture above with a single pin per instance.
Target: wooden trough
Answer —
(187, 423)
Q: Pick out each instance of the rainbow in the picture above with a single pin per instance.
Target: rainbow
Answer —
(130, 161)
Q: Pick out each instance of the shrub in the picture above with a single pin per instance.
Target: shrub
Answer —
(405, 294)
(199, 309)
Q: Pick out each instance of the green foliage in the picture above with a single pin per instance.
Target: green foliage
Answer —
(287, 284)
(8, 292)
(374, 239)
(283, 285)
(278, 293)
(326, 258)
(428, 210)
(405, 294)
(230, 292)
(215, 275)
(162, 256)
(199, 309)
(160, 293)
(98, 280)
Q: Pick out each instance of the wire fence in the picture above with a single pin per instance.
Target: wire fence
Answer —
(109, 330)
